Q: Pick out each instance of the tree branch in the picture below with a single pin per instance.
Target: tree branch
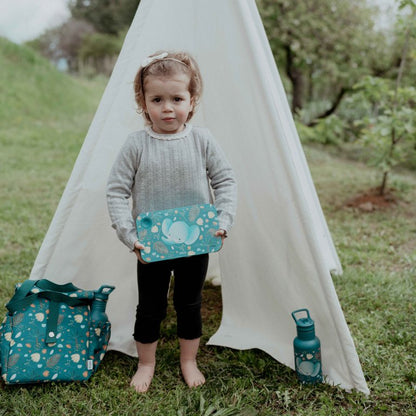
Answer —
(330, 110)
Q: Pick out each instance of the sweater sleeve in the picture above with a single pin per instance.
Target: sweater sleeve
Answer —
(119, 189)
(223, 183)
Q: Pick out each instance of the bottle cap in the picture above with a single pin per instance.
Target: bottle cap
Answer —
(103, 292)
(305, 325)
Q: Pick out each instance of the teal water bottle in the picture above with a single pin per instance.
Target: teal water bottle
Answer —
(307, 349)
(100, 326)
(99, 303)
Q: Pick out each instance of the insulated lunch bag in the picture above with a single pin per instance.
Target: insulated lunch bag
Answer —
(53, 332)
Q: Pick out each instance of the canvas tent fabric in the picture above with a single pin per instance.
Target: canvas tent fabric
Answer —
(279, 256)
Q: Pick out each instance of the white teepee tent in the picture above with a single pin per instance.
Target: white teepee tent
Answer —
(279, 255)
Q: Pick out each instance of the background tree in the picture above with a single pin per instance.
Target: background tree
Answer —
(64, 42)
(389, 130)
(98, 53)
(325, 46)
(107, 16)
(92, 38)
(404, 34)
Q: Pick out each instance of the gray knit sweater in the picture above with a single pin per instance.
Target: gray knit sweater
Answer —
(159, 171)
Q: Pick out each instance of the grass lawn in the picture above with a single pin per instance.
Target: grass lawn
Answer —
(377, 290)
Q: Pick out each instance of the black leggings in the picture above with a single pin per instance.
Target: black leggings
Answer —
(153, 284)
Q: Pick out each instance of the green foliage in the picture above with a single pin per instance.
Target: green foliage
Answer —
(390, 131)
(98, 45)
(407, 3)
(377, 118)
(327, 131)
(404, 33)
(63, 42)
(82, 48)
(99, 51)
(107, 16)
(90, 41)
(324, 46)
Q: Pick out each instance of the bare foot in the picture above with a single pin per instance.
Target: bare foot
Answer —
(193, 377)
(143, 377)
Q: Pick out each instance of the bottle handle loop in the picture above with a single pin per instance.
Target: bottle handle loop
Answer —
(300, 310)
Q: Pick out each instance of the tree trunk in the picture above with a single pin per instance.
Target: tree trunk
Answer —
(296, 78)
(383, 186)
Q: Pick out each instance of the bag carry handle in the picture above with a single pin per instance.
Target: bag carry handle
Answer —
(16, 305)
(50, 290)
(23, 290)
(55, 299)
(46, 284)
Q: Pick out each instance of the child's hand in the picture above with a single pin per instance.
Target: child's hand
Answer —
(223, 234)
(137, 247)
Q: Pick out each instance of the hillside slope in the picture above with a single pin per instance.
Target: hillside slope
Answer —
(32, 88)
(44, 117)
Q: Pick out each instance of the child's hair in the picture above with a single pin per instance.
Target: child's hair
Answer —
(168, 64)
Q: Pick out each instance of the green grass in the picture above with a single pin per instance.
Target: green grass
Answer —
(41, 131)
(44, 115)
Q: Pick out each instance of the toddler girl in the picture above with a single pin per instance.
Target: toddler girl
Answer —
(169, 164)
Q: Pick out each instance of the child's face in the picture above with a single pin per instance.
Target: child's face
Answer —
(168, 102)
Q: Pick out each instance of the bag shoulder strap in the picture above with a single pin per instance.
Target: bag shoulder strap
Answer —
(22, 291)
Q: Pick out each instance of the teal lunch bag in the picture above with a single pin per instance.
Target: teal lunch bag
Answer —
(53, 332)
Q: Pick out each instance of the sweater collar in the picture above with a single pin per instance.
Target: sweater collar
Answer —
(175, 136)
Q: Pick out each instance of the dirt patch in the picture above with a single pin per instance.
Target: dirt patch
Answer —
(371, 200)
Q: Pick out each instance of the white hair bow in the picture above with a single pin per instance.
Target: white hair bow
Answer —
(150, 59)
